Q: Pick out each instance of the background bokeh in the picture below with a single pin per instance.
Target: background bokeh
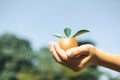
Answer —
(26, 27)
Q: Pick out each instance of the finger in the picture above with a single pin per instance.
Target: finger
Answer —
(77, 52)
(61, 53)
(53, 52)
(51, 46)
(85, 62)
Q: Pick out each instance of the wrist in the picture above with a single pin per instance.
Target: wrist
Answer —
(97, 56)
(93, 53)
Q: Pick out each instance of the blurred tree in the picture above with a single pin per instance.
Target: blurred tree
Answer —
(117, 78)
(15, 54)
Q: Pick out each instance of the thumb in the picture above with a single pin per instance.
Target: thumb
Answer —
(77, 52)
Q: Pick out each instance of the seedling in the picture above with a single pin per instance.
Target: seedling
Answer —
(67, 42)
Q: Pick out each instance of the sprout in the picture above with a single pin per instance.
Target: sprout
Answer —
(67, 32)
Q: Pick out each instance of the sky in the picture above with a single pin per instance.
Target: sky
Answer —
(38, 20)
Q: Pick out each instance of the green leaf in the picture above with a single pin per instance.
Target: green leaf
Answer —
(58, 35)
(67, 31)
(80, 32)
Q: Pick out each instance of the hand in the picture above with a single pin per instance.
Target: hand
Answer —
(75, 58)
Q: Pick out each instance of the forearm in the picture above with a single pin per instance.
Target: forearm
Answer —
(108, 60)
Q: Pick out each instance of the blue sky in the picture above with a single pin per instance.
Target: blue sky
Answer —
(38, 20)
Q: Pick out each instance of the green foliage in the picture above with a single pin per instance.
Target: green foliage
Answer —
(58, 36)
(67, 31)
(80, 32)
(15, 54)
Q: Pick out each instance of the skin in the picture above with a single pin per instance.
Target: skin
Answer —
(83, 56)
